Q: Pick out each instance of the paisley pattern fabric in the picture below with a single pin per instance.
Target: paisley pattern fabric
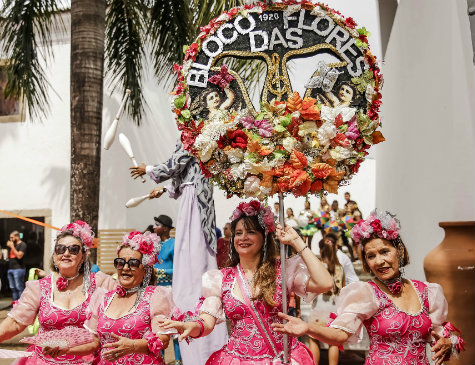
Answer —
(183, 168)
(135, 325)
(398, 337)
(52, 317)
(246, 344)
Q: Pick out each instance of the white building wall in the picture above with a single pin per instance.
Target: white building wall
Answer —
(425, 169)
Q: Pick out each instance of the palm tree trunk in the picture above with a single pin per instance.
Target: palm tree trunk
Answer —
(87, 68)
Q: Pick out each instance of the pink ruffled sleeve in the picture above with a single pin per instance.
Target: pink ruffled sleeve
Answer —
(97, 299)
(25, 311)
(105, 281)
(297, 277)
(356, 303)
(438, 307)
(161, 306)
(211, 283)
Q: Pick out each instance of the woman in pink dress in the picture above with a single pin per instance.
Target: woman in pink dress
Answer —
(59, 299)
(400, 315)
(249, 291)
(124, 320)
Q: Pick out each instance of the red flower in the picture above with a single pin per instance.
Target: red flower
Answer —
(233, 12)
(350, 23)
(133, 233)
(120, 291)
(238, 139)
(376, 224)
(177, 67)
(223, 78)
(62, 283)
(255, 205)
(205, 171)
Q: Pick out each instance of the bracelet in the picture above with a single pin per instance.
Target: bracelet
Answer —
(202, 329)
(300, 252)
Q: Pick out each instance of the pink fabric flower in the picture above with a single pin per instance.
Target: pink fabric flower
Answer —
(61, 283)
(146, 248)
(254, 207)
(352, 132)
(395, 287)
(154, 343)
(120, 291)
(223, 78)
(133, 234)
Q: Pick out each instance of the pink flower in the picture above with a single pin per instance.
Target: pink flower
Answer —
(62, 283)
(133, 233)
(154, 343)
(146, 248)
(223, 78)
(120, 291)
(352, 132)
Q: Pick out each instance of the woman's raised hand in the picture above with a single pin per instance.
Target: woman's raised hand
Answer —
(289, 236)
(294, 327)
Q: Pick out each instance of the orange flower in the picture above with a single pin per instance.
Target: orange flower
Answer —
(321, 170)
(298, 159)
(316, 186)
(309, 110)
(331, 185)
(377, 137)
(340, 140)
(294, 103)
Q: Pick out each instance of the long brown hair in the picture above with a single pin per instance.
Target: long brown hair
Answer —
(266, 270)
(328, 254)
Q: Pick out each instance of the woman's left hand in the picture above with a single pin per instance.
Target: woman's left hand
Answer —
(121, 347)
(289, 236)
(442, 347)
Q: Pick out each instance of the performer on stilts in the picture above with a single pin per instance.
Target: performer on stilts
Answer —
(249, 293)
(195, 239)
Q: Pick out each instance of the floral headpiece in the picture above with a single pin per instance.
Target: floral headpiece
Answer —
(382, 224)
(81, 230)
(254, 207)
(148, 244)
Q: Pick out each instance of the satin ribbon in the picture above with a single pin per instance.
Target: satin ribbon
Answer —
(30, 220)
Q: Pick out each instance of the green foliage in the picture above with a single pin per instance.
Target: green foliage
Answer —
(26, 25)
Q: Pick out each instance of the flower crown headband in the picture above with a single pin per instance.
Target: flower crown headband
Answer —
(382, 224)
(148, 244)
(254, 207)
(80, 230)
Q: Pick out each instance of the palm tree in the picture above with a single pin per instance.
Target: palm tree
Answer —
(116, 33)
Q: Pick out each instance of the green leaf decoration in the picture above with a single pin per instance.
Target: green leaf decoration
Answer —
(279, 153)
(343, 128)
(180, 101)
(279, 128)
(186, 114)
(363, 81)
(286, 120)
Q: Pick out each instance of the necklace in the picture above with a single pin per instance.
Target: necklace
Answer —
(393, 285)
(121, 291)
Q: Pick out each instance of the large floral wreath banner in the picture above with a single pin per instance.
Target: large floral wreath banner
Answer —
(295, 143)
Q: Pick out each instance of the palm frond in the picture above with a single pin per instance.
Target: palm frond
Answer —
(124, 51)
(26, 29)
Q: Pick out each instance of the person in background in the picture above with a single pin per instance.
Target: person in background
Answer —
(148, 229)
(335, 211)
(16, 266)
(307, 223)
(324, 206)
(343, 259)
(325, 304)
(223, 246)
(348, 199)
(164, 266)
(290, 220)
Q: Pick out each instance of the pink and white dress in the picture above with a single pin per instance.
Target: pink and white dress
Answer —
(156, 303)
(248, 344)
(396, 336)
(37, 299)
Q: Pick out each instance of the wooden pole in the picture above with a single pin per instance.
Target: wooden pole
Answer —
(282, 270)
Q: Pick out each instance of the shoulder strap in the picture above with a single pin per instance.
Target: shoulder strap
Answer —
(256, 315)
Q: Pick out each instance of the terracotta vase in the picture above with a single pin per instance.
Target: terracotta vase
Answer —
(452, 265)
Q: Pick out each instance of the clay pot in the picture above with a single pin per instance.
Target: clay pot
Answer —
(452, 265)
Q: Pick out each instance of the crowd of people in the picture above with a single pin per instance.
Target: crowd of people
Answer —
(133, 315)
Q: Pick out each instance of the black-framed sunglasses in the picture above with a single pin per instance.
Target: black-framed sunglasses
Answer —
(61, 249)
(119, 263)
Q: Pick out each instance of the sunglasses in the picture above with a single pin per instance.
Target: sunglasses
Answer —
(61, 249)
(119, 263)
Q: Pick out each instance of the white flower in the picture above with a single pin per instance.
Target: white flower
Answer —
(205, 143)
(223, 17)
(369, 93)
(238, 171)
(307, 128)
(186, 67)
(235, 155)
(318, 11)
(258, 167)
(289, 143)
(251, 186)
(340, 153)
(292, 9)
(329, 114)
(325, 133)
(206, 150)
